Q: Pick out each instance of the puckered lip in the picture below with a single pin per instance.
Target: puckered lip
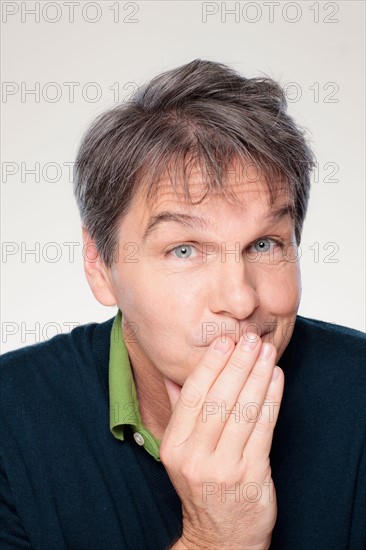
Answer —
(232, 337)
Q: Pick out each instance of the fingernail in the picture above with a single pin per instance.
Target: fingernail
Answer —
(249, 341)
(265, 351)
(276, 373)
(222, 346)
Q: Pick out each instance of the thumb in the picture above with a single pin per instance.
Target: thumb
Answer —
(173, 391)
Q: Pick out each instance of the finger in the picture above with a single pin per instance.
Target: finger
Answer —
(248, 408)
(189, 404)
(224, 393)
(173, 391)
(260, 440)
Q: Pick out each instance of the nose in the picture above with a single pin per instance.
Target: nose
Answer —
(233, 290)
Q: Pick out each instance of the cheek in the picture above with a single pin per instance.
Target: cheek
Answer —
(281, 291)
(171, 296)
(158, 307)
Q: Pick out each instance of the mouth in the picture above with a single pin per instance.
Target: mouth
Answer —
(235, 339)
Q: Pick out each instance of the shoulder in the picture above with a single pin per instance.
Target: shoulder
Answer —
(317, 340)
(311, 324)
(325, 357)
(329, 336)
(331, 341)
(55, 357)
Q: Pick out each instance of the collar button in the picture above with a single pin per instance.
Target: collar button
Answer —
(138, 438)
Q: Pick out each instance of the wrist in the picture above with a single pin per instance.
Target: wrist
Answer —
(179, 545)
(189, 544)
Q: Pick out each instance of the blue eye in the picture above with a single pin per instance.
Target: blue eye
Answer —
(184, 249)
(262, 247)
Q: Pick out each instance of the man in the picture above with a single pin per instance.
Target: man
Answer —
(206, 413)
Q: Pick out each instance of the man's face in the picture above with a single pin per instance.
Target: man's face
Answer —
(224, 273)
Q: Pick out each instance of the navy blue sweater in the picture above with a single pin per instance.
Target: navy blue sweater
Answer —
(67, 483)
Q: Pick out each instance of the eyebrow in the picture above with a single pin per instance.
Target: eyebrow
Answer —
(279, 213)
(186, 220)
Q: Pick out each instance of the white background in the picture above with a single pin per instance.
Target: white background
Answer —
(148, 38)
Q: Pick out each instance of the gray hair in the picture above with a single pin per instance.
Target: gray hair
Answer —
(203, 114)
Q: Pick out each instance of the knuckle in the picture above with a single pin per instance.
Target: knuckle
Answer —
(267, 421)
(262, 426)
(259, 373)
(272, 395)
(191, 472)
(252, 412)
(237, 365)
(165, 452)
(190, 397)
(211, 366)
(216, 398)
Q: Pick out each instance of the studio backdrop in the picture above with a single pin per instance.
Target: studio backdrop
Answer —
(63, 63)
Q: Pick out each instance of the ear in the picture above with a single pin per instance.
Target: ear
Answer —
(96, 272)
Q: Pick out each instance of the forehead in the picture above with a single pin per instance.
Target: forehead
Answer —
(245, 185)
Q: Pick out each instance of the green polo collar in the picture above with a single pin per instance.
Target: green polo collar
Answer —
(124, 407)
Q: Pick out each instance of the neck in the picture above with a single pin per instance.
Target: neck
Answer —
(154, 404)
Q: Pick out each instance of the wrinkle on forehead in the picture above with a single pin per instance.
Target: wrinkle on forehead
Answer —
(194, 178)
(240, 192)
